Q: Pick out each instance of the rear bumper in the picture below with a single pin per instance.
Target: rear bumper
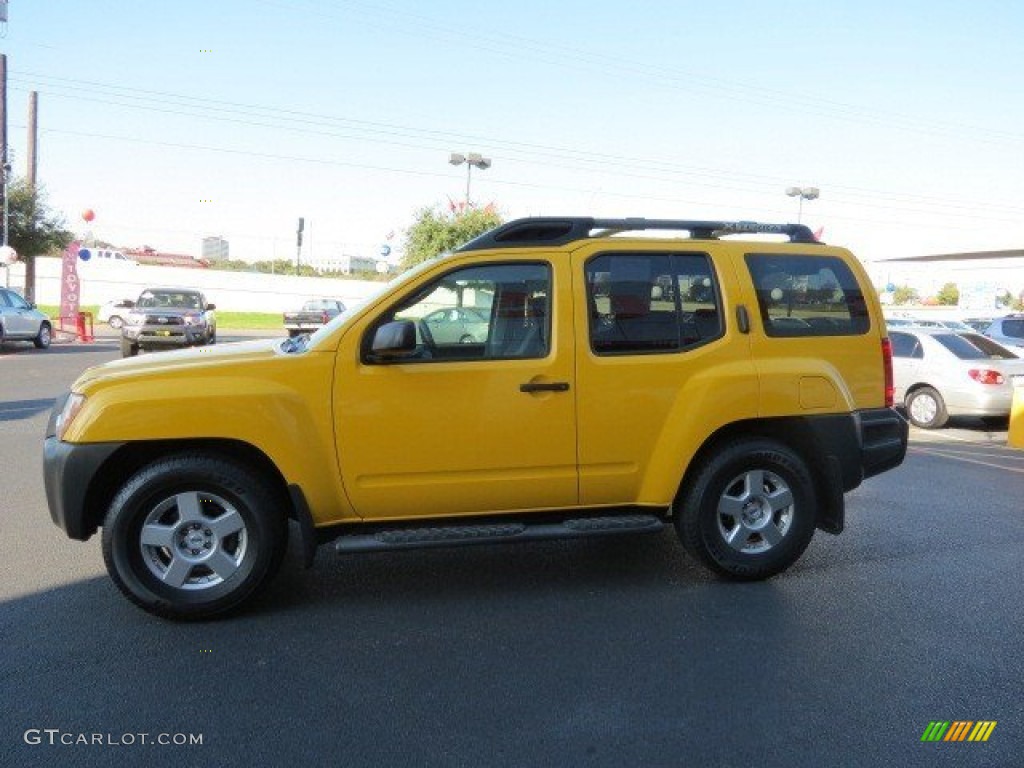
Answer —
(883, 440)
(847, 449)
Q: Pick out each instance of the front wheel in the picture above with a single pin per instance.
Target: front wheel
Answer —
(44, 337)
(193, 535)
(749, 512)
(128, 348)
(115, 322)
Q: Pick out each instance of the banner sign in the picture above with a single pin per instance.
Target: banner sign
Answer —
(70, 288)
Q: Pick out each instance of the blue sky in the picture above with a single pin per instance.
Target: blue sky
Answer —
(907, 115)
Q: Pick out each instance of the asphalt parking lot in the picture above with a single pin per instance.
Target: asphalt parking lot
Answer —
(605, 652)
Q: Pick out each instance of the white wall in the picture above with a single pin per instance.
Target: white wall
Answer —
(231, 291)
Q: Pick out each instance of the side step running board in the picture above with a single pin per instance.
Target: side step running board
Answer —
(489, 533)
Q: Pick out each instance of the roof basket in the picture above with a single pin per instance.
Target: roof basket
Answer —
(542, 230)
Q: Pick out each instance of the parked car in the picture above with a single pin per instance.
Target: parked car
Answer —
(592, 406)
(1008, 331)
(21, 321)
(457, 324)
(314, 314)
(168, 317)
(938, 374)
(113, 313)
(979, 324)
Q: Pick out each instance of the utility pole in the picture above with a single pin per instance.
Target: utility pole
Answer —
(33, 135)
(3, 141)
(298, 243)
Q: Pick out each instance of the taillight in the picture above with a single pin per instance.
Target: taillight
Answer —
(890, 390)
(986, 376)
(324, 318)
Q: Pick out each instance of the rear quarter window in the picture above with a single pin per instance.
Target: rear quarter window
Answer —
(805, 295)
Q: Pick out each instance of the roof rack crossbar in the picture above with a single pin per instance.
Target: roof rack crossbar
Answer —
(549, 230)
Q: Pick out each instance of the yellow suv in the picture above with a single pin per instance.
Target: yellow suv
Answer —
(555, 377)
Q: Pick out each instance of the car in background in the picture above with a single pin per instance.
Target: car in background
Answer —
(113, 313)
(21, 321)
(979, 324)
(898, 322)
(463, 325)
(168, 317)
(1008, 331)
(314, 314)
(939, 373)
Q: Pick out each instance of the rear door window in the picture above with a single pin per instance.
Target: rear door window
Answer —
(642, 303)
(807, 295)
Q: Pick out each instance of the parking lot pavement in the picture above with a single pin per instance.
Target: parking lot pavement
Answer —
(595, 653)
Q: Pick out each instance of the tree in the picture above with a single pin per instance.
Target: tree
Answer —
(948, 295)
(904, 294)
(435, 232)
(33, 229)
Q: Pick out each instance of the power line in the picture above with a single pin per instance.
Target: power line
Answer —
(372, 131)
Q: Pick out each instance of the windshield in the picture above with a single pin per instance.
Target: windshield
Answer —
(959, 346)
(989, 347)
(170, 300)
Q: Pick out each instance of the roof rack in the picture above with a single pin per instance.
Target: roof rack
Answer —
(545, 230)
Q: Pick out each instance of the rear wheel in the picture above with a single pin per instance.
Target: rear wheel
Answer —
(749, 512)
(44, 337)
(128, 348)
(194, 535)
(926, 409)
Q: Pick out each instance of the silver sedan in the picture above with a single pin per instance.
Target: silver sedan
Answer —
(940, 373)
(21, 321)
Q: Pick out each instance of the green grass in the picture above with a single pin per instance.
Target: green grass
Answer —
(225, 320)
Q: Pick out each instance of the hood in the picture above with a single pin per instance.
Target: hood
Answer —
(218, 356)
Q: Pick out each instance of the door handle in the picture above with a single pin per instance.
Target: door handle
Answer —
(554, 386)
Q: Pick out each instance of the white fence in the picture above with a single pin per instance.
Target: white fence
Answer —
(231, 291)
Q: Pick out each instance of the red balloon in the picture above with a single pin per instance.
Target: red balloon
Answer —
(88, 214)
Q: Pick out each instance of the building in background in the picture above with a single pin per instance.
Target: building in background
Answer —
(346, 264)
(216, 249)
(148, 255)
(981, 277)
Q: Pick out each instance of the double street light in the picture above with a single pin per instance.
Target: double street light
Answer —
(472, 160)
(804, 193)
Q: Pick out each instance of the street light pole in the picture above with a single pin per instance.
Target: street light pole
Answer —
(804, 193)
(471, 160)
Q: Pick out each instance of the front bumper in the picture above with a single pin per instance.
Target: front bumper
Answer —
(165, 335)
(68, 472)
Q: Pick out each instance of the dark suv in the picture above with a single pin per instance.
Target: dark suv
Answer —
(1008, 331)
(168, 317)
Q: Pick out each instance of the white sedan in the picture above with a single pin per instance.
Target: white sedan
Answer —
(113, 313)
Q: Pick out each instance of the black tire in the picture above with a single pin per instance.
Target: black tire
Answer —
(128, 348)
(115, 322)
(217, 534)
(926, 409)
(769, 526)
(44, 337)
(213, 337)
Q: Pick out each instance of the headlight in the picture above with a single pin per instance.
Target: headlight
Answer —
(192, 319)
(135, 318)
(72, 406)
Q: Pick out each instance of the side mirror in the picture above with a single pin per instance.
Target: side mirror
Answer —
(394, 340)
(211, 306)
